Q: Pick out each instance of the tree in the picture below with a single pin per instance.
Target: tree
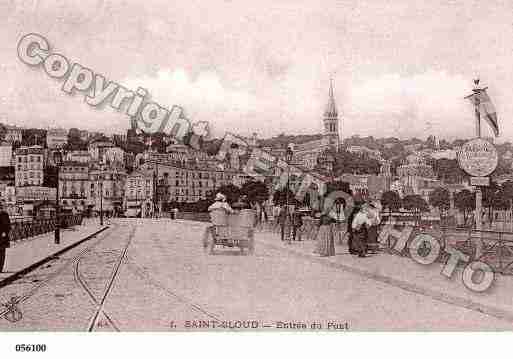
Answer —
(415, 203)
(440, 198)
(507, 192)
(465, 201)
(391, 200)
(448, 170)
(256, 191)
(74, 140)
(347, 162)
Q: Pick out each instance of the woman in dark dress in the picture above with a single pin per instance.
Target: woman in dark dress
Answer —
(350, 219)
(325, 237)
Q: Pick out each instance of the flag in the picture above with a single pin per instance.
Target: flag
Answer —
(486, 109)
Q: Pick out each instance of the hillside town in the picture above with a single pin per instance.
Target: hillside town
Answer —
(139, 175)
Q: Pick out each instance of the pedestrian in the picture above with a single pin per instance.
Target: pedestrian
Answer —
(175, 211)
(285, 221)
(360, 226)
(5, 228)
(219, 204)
(374, 213)
(350, 218)
(276, 217)
(297, 223)
(325, 236)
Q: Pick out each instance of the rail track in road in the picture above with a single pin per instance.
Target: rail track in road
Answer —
(100, 303)
(144, 275)
(51, 276)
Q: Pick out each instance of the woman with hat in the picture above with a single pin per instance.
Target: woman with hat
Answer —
(359, 226)
(373, 213)
(220, 203)
(325, 235)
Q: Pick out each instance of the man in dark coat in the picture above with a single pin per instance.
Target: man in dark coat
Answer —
(5, 228)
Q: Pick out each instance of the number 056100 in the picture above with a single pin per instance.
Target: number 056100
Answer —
(30, 347)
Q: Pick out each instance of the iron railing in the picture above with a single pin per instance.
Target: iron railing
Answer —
(28, 227)
(497, 246)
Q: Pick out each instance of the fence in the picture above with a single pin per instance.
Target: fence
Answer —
(497, 249)
(28, 227)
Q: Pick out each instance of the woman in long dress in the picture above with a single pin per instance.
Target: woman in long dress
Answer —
(373, 212)
(325, 237)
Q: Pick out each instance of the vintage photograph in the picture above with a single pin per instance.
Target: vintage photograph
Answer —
(255, 166)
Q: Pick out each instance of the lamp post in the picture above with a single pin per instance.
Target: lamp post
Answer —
(57, 157)
(288, 158)
(100, 179)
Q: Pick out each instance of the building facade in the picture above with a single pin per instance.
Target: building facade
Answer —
(56, 138)
(6, 157)
(73, 185)
(13, 134)
(29, 164)
(139, 194)
(106, 189)
(189, 183)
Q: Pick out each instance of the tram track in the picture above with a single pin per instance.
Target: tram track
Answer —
(50, 277)
(145, 276)
(100, 302)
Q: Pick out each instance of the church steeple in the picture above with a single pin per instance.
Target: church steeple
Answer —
(331, 107)
(330, 120)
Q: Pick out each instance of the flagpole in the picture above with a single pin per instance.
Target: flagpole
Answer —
(476, 91)
(479, 193)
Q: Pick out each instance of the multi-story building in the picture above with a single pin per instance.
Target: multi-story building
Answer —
(13, 134)
(73, 185)
(7, 194)
(189, 183)
(106, 188)
(81, 156)
(364, 151)
(28, 169)
(114, 156)
(56, 138)
(6, 157)
(98, 147)
(139, 192)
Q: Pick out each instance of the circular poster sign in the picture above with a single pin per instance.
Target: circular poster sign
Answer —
(478, 157)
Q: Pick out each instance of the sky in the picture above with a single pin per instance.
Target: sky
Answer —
(400, 68)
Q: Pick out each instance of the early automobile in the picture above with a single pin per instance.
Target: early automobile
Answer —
(234, 230)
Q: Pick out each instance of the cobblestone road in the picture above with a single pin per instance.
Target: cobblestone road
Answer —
(166, 282)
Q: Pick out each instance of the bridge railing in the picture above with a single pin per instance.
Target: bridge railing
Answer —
(497, 246)
(28, 227)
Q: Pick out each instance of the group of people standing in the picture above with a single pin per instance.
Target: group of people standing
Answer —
(361, 227)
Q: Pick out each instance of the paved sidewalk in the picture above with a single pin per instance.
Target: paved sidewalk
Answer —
(31, 250)
(406, 274)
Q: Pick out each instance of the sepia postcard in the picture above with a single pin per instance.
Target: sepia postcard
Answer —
(255, 166)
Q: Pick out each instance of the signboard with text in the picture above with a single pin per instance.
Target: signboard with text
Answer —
(478, 157)
(479, 181)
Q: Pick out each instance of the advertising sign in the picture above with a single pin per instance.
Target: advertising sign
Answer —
(479, 181)
(478, 157)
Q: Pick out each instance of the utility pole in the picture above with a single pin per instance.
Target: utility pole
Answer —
(476, 91)
(479, 193)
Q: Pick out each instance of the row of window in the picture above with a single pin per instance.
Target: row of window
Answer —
(31, 174)
(31, 158)
(25, 167)
(199, 175)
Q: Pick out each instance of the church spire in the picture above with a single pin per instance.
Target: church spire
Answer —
(331, 107)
